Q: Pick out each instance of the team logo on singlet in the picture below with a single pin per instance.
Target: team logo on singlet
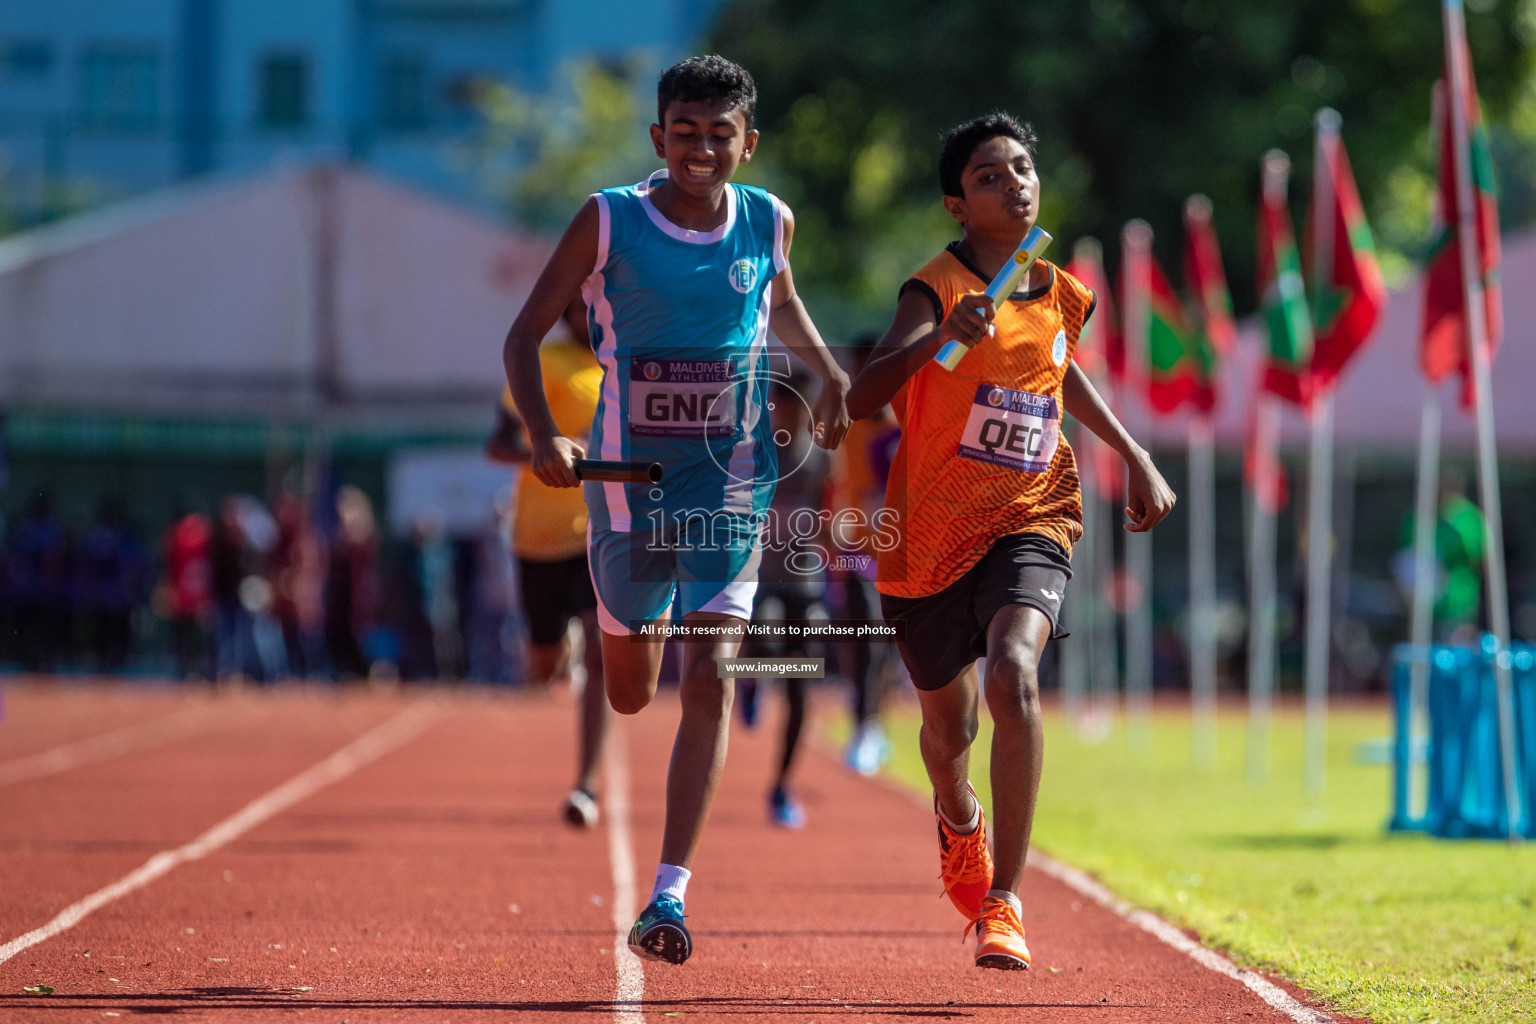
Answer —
(743, 275)
(1015, 429)
(1059, 348)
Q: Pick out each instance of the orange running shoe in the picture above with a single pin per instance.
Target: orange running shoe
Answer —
(1000, 937)
(965, 863)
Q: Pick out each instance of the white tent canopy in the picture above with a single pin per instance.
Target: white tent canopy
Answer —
(306, 289)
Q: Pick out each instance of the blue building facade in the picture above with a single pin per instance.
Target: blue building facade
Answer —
(104, 98)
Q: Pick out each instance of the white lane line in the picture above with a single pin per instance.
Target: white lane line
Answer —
(106, 746)
(629, 986)
(1149, 922)
(366, 748)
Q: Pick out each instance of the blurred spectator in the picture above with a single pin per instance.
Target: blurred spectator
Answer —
(1459, 552)
(296, 570)
(111, 573)
(230, 557)
(402, 610)
(186, 595)
(352, 589)
(39, 564)
(439, 592)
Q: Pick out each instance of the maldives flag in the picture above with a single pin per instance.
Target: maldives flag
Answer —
(1444, 345)
(1178, 365)
(1348, 293)
(1101, 354)
(1207, 283)
(1204, 277)
(1101, 347)
(1282, 296)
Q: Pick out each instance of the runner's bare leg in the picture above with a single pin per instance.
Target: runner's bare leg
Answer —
(1015, 639)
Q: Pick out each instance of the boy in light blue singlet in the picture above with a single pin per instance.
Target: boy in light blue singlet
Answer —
(684, 275)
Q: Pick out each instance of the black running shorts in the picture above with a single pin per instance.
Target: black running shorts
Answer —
(942, 633)
(553, 594)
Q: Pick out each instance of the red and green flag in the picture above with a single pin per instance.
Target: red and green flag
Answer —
(1100, 348)
(1179, 366)
(1346, 287)
(1282, 295)
(1444, 347)
(1206, 280)
(1101, 354)
(1207, 284)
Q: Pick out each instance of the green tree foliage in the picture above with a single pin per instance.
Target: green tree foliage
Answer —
(545, 156)
(1138, 104)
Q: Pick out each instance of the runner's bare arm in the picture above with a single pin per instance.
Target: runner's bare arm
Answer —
(553, 456)
(1149, 499)
(792, 324)
(910, 343)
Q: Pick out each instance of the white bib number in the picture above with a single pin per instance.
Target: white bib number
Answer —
(1016, 429)
(682, 397)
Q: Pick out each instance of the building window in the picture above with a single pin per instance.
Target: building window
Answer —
(282, 91)
(403, 93)
(23, 60)
(119, 87)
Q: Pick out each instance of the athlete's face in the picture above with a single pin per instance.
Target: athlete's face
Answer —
(1001, 192)
(702, 144)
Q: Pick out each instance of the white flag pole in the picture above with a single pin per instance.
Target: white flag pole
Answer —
(1424, 569)
(1202, 588)
(1077, 658)
(1261, 590)
(1093, 614)
(1095, 577)
(1106, 638)
(1261, 540)
(1487, 455)
(1136, 244)
(1320, 481)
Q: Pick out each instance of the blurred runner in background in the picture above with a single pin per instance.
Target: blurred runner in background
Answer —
(549, 538)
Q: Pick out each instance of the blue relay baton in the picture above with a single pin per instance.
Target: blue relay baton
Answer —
(1002, 286)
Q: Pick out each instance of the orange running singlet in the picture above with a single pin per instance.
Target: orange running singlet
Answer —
(982, 452)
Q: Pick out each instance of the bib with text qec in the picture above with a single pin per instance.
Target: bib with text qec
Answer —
(1015, 429)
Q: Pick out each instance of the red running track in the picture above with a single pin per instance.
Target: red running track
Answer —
(423, 875)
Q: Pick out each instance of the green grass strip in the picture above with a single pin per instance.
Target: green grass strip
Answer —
(1387, 926)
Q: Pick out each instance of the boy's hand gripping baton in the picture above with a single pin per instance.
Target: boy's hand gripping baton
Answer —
(1002, 286)
(618, 472)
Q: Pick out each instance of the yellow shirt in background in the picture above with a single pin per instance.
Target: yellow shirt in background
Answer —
(551, 522)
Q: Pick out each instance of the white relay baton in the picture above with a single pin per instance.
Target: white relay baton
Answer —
(1007, 279)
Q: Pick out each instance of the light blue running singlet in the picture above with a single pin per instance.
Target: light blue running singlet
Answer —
(679, 321)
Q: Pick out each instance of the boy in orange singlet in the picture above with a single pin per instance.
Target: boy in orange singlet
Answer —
(987, 493)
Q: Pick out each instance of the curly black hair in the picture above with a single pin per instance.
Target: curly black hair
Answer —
(961, 141)
(706, 78)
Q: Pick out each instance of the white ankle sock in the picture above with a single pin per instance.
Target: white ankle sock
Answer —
(1009, 897)
(672, 881)
(968, 826)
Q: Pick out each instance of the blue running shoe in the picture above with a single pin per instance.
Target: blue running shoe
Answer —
(869, 749)
(660, 934)
(785, 810)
